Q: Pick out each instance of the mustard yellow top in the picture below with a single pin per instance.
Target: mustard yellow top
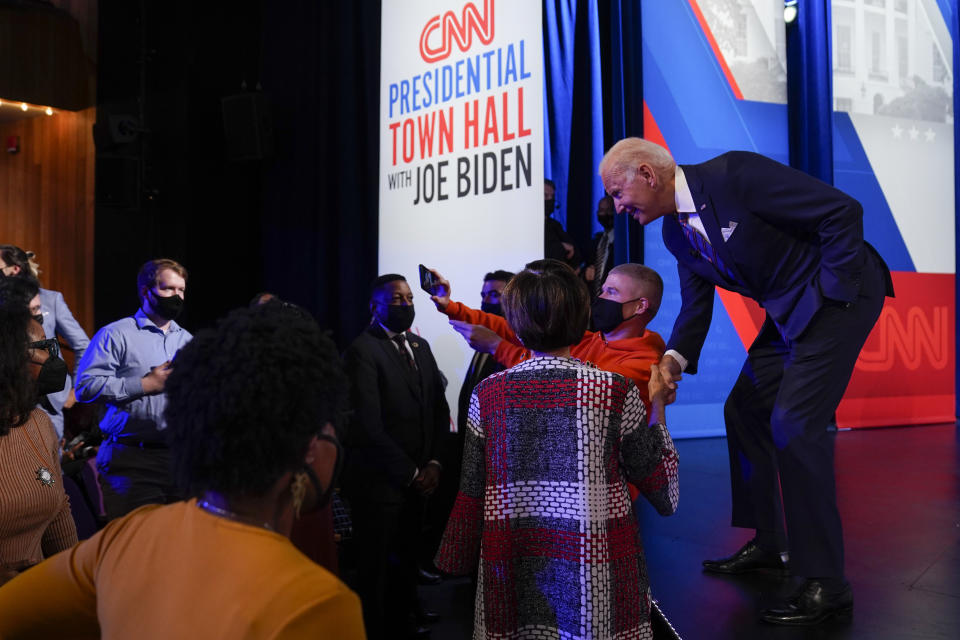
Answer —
(177, 571)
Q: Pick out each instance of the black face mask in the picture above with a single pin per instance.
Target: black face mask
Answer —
(492, 307)
(53, 375)
(607, 314)
(399, 317)
(606, 222)
(39, 318)
(325, 495)
(167, 307)
(549, 206)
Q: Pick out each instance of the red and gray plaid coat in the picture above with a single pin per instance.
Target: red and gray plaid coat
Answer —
(543, 503)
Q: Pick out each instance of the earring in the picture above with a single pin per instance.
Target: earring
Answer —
(298, 490)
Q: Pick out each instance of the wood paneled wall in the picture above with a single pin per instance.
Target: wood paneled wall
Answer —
(46, 202)
(46, 190)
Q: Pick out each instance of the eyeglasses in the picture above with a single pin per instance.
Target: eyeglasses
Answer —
(50, 344)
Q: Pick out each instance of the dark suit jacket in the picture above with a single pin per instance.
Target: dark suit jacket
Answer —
(592, 255)
(399, 416)
(554, 235)
(481, 366)
(794, 243)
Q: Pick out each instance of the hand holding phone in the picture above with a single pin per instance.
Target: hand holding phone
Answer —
(427, 281)
(436, 285)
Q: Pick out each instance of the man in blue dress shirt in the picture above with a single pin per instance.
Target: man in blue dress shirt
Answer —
(126, 367)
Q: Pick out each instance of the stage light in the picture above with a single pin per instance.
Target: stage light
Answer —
(48, 111)
(23, 106)
(789, 11)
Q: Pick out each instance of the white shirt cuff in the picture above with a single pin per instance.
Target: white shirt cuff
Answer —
(679, 358)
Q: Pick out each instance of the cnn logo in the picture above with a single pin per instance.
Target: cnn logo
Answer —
(922, 340)
(447, 29)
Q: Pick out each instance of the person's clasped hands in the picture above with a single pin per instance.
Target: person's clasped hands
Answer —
(659, 388)
(670, 371)
(427, 479)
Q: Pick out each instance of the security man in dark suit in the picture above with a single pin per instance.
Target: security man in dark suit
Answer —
(482, 364)
(400, 417)
(795, 245)
(600, 259)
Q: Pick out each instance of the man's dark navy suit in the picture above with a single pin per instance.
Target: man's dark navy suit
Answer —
(400, 418)
(795, 245)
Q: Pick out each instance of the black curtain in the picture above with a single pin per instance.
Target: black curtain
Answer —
(164, 186)
(622, 62)
(321, 70)
(298, 217)
(301, 218)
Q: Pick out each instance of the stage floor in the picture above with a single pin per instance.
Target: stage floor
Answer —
(899, 494)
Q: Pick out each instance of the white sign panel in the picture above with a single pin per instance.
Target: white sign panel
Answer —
(461, 151)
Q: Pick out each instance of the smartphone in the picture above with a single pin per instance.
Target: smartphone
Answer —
(427, 282)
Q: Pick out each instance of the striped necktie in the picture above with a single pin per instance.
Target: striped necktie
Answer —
(400, 340)
(703, 246)
(599, 262)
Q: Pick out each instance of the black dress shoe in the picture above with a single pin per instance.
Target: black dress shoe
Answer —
(425, 576)
(425, 616)
(811, 604)
(749, 558)
(417, 631)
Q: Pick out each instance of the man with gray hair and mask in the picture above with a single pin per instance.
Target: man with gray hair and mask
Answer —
(794, 244)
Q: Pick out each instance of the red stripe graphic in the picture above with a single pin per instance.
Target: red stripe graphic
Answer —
(716, 49)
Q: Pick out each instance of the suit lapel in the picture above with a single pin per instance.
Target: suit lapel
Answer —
(711, 220)
(418, 356)
(412, 378)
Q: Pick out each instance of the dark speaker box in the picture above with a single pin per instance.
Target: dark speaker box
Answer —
(117, 182)
(247, 129)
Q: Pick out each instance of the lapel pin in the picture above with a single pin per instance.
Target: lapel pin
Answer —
(702, 207)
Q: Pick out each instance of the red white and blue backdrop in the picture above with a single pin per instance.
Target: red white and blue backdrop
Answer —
(867, 105)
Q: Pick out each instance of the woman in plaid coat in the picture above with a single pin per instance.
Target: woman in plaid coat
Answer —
(543, 502)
